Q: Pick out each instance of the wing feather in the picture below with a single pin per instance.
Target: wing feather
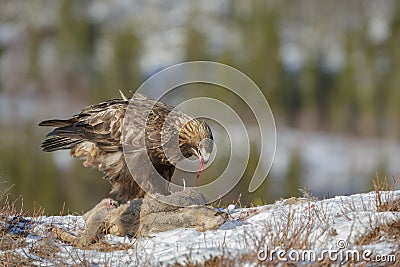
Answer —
(94, 135)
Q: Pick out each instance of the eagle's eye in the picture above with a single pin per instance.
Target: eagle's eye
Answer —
(196, 139)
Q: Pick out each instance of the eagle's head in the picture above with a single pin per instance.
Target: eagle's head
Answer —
(196, 139)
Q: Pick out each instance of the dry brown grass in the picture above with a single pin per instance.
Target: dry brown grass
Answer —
(16, 224)
(295, 234)
(386, 202)
(295, 231)
(389, 230)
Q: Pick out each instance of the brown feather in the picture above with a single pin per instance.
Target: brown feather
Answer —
(95, 136)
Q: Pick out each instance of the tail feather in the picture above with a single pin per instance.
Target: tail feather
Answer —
(55, 143)
(67, 131)
(66, 136)
(57, 123)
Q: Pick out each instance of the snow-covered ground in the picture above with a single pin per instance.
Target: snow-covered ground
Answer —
(295, 229)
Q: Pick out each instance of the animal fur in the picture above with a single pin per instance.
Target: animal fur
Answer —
(145, 217)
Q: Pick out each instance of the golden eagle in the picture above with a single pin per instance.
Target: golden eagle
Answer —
(95, 136)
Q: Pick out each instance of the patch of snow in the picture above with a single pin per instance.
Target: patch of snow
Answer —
(324, 224)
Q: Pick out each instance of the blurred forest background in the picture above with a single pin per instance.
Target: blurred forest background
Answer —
(329, 69)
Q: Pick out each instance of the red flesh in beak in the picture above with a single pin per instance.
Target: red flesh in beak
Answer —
(200, 170)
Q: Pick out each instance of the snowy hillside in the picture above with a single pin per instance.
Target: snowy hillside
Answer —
(362, 227)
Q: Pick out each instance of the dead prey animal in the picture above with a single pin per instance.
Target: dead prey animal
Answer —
(144, 217)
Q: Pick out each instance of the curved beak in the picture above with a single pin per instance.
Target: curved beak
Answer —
(202, 154)
(205, 155)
